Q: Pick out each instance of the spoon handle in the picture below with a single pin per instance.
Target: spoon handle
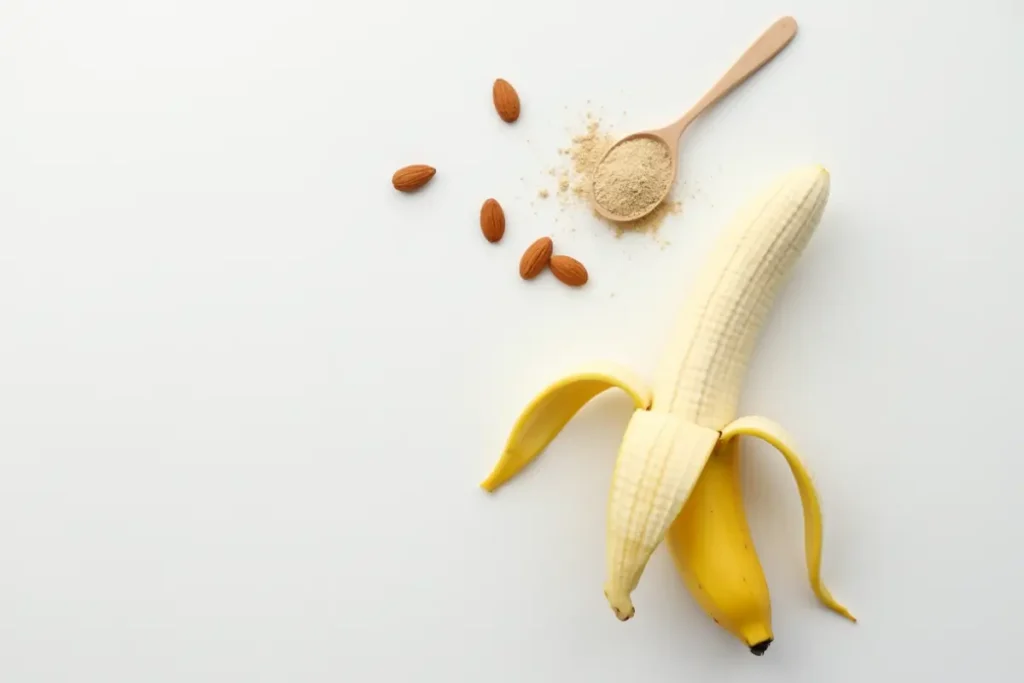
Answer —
(771, 42)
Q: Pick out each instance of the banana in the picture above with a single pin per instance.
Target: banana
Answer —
(684, 423)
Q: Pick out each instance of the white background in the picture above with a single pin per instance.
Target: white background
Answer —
(248, 391)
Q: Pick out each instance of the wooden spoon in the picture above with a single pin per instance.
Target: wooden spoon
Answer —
(757, 55)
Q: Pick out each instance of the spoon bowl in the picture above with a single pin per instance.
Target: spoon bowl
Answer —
(654, 188)
(770, 43)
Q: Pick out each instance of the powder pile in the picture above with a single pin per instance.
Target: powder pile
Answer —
(575, 182)
(633, 177)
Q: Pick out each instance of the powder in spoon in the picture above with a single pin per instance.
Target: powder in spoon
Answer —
(575, 171)
(633, 177)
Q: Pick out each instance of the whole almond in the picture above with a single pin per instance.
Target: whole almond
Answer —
(569, 270)
(506, 100)
(535, 258)
(412, 177)
(492, 220)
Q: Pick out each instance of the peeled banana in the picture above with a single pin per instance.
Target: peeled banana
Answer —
(675, 475)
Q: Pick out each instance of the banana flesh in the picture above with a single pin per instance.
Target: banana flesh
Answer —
(700, 376)
(684, 425)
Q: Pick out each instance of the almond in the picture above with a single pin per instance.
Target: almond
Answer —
(492, 220)
(412, 177)
(569, 270)
(506, 100)
(535, 258)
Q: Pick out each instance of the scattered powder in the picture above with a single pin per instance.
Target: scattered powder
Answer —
(633, 177)
(542, 193)
(588, 148)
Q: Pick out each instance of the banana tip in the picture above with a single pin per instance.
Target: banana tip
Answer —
(758, 649)
(493, 481)
(841, 611)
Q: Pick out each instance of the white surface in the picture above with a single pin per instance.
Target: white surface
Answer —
(249, 390)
